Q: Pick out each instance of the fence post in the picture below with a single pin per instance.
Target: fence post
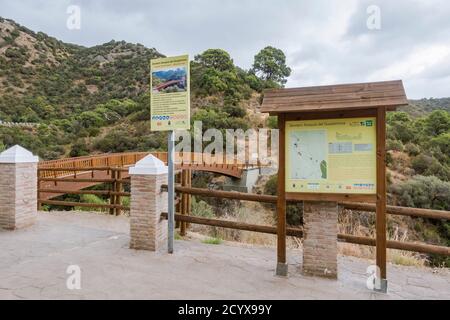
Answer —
(179, 205)
(112, 197)
(118, 189)
(147, 230)
(183, 202)
(18, 188)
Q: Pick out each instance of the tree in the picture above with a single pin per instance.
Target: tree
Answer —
(216, 59)
(438, 122)
(79, 148)
(270, 65)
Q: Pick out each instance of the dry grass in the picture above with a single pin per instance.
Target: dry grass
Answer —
(352, 223)
(357, 224)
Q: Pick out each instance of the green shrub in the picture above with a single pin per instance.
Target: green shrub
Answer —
(412, 149)
(214, 241)
(294, 212)
(395, 145)
(201, 209)
(423, 192)
(93, 199)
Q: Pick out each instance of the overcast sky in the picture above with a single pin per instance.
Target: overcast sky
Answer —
(326, 42)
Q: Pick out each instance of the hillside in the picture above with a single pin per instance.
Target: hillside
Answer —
(89, 100)
(418, 108)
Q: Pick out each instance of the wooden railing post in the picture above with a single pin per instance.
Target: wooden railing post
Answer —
(112, 198)
(178, 205)
(189, 200)
(183, 203)
(118, 189)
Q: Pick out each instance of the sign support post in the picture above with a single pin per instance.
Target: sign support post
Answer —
(171, 190)
(170, 111)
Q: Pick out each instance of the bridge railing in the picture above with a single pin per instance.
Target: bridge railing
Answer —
(199, 161)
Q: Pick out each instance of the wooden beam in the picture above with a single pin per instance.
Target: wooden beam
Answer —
(381, 194)
(398, 245)
(81, 204)
(334, 197)
(295, 232)
(94, 192)
(400, 211)
(281, 200)
(224, 194)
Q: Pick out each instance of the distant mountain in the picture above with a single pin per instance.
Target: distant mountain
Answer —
(421, 107)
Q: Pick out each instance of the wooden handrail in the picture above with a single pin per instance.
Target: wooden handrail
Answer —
(297, 232)
(393, 210)
(182, 160)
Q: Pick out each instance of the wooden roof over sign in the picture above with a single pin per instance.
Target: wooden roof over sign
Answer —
(386, 94)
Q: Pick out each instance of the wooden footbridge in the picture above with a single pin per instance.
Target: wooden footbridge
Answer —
(74, 175)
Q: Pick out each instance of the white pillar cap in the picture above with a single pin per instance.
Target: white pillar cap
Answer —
(149, 165)
(17, 154)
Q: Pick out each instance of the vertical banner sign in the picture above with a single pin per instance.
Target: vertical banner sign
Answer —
(170, 93)
(170, 110)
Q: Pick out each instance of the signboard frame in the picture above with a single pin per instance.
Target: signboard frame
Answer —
(172, 106)
(170, 109)
(328, 196)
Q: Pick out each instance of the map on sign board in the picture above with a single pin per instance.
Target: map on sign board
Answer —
(331, 156)
(170, 93)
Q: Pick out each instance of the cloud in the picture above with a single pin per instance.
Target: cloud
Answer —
(325, 41)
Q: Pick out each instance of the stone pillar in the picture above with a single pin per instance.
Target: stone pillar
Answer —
(147, 230)
(320, 239)
(18, 188)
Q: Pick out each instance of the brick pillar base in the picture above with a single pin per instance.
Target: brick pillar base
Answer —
(18, 188)
(147, 230)
(320, 239)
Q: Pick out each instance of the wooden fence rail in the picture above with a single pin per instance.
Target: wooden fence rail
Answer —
(75, 179)
(407, 246)
(392, 210)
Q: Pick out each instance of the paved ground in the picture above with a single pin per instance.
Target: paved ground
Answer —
(33, 264)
